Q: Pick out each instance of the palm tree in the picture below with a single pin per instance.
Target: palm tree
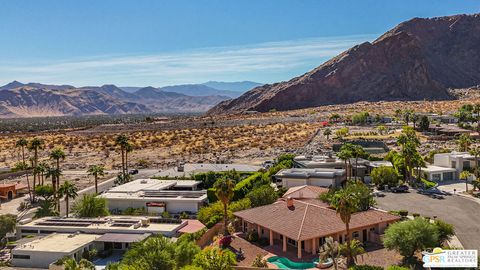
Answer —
(409, 142)
(329, 250)
(71, 264)
(42, 169)
(357, 151)
(327, 132)
(22, 144)
(96, 171)
(346, 154)
(475, 152)
(54, 174)
(464, 142)
(356, 249)
(35, 145)
(122, 141)
(224, 191)
(346, 203)
(90, 206)
(56, 155)
(128, 149)
(69, 191)
(465, 175)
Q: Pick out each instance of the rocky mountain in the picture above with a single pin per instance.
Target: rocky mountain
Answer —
(31, 101)
(418, 59)
(233, 86)
(200, 90)
(34, 99)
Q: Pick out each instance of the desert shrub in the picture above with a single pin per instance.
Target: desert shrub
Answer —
(403, 213)
(385, 176)
(428, 184)
(415, 215)
(259, 262)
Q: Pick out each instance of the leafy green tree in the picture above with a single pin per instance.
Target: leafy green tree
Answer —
(8, 222)
(96, 171)
(224, 191)
(384, 175)
(410, 236)
(90, 206)
(69, 191)
(362, 193)
(334, 117)
(214, 258)
(346, 203)
(424, 123)
(185, 252)
(464, 142)
(156, 252)
(262, 195)
(22, 143)
(360, 118)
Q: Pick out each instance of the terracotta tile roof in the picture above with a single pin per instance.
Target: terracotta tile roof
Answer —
(192, 226)
(308, 220)
(305, 191)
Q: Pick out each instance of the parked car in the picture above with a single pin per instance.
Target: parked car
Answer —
(400, 189)
(134, 171)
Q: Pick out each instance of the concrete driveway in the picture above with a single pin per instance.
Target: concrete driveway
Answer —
(463, 213)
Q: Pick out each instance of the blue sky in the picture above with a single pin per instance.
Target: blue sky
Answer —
(139, 43)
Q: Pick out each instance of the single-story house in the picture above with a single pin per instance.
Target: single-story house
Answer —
(321, 177)
(40, 253)
(439, 174)
(305, 224)
(157, 196)
(10, 191)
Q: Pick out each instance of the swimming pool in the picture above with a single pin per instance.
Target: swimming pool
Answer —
(285, 263)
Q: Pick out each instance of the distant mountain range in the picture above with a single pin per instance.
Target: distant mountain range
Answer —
(34, 99)
(230, 89)
(418, 59)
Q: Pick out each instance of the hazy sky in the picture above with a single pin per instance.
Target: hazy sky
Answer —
(139, 43)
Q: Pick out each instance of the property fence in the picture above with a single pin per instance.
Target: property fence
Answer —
(207, 237)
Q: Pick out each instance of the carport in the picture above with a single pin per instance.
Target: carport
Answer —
(120, 241)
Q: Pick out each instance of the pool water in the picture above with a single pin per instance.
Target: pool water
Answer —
(285, 263)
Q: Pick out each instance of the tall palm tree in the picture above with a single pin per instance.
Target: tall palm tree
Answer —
(464, 175)
(35, 145)
(122, 141)
(42, 169)
(56, 155)
(409, 142)
(224, 191)
(96, 171)
(464, 142)
(475, 152)
(128, 149)
(22, 144)
(69, 191)
(54, 174)
(357, 151)
(346, 203)
(345, 154)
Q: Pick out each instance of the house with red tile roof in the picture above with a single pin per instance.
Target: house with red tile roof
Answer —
(305, 223)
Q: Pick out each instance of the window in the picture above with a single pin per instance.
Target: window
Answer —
(117, 245)
(18, 256)
(355, 234)
(466, 165)
(436, 177)
(372, 229)
(29, 231)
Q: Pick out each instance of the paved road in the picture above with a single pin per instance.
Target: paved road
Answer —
(463, 213)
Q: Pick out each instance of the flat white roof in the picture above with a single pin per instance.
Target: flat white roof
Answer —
(109, 224)
(434, 169)
(143, 184)
(58, 242)
(192, 168)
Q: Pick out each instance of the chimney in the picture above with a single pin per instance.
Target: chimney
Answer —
(289, 202)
